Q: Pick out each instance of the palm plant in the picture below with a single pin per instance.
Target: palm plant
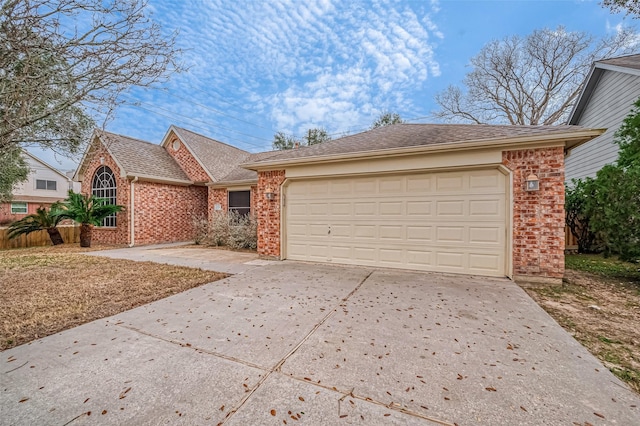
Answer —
(89, 210)
(42, 219)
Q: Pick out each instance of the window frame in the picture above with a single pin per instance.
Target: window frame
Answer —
(26, 208)
(105, 177)
(238, 208)
(47, 184)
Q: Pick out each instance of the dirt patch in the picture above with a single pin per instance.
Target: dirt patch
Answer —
(44, 290)
(602, 313)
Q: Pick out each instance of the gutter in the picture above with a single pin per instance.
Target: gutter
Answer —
(132, 215)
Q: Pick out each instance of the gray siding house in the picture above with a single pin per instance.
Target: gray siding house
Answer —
(612, 87)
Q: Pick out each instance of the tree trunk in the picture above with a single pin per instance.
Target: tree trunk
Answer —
(55, 236)
(85, 235)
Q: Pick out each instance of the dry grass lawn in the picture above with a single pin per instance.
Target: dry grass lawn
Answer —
(599, 304)
(44, 290)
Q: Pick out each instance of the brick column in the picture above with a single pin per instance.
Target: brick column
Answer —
(538, 216)
(268, 212)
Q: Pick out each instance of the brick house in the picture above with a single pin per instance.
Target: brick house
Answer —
(164, 187)
(474, 199)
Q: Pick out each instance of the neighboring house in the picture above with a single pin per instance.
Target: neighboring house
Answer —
(610, 91)
(44, 186)
(445, 198)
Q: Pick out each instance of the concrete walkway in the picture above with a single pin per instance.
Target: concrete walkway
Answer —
(291, 343)
(211, 259)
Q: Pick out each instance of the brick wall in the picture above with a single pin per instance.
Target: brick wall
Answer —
(164, 213)
(254, 200)
(268, 213)
(186, 161)
(7, 217)
(217, 196)
(119, 234)
(538, 216)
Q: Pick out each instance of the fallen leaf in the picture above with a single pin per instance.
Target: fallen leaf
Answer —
(491, 389)
(273, 412)
(599, 415)
(522, 408)
(104, 412)
(301, 398)
(24, 399)
(387, 415)
(222, 408)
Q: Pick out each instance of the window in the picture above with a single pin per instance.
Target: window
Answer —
(104, 186)
(18, 208)
(240, 202)
(49, 185)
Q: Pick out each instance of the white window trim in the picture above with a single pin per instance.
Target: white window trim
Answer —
(26, 208)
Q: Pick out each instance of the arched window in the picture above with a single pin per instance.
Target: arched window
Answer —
(104, 186)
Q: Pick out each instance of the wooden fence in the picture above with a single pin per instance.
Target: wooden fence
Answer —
(570, 242)
(70, 234)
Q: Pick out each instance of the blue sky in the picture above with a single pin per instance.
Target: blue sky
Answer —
(258, 67)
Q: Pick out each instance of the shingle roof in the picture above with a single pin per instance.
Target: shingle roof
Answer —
(414, 135)
(630, 61)
(139, 157)
(242, 174)
(218, 158)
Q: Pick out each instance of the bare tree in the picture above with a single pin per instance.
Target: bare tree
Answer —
(387, 118)
(631, 7)
(531, 80)
(64, 62)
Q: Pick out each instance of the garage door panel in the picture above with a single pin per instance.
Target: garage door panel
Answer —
(445, 221)
(421, 184)
(364, 254)
(391, 232)
(365, 208)
(391, 185)
(419, 233)
(450, 208)
(339, 231)
(365, 186)
(418, 259)
(419, 209)
(341, 209)
(491, 208)
(450, 260)
(365, 231)
(392, 208)
(484, 262)
(486, 235)
(450, 234)
(450, 182)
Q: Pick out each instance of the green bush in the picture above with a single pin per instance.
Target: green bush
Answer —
(611, 201)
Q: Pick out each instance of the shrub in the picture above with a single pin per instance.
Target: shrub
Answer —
(228, 229)
(201, 228)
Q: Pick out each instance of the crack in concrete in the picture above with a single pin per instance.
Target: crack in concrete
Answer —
(278, 366)
(292, 351)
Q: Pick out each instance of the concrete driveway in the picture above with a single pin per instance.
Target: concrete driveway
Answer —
(290, 343)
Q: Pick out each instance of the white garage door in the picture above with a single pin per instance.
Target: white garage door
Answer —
(446, 221)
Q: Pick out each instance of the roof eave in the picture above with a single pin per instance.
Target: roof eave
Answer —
(567, 140)
(159, 179)
(225, 184)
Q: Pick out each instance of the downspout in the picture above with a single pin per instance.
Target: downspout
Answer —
(132, 215)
